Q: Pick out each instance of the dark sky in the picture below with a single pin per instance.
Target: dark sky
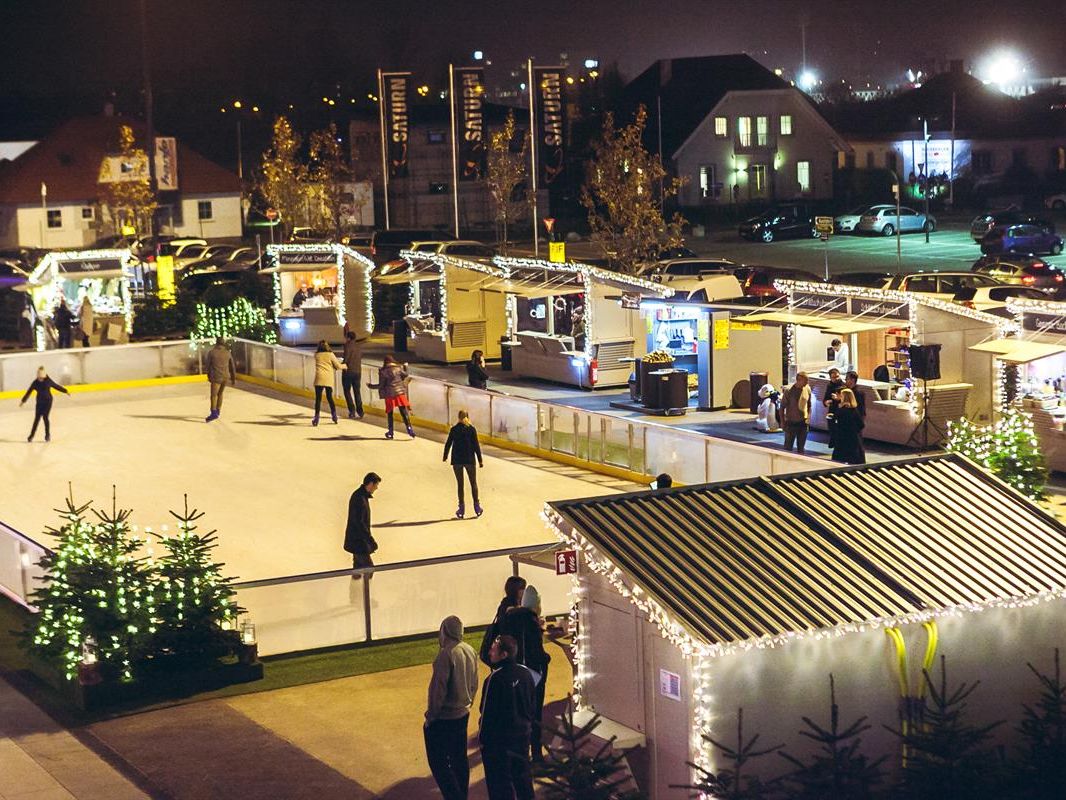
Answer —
(289, 47)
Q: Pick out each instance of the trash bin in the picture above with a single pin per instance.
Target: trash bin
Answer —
(505, 354)
(673, 388)
(651, 388)
(646, 367)
(757, 381)
(399, 335)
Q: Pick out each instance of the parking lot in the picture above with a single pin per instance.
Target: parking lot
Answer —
(948, 249)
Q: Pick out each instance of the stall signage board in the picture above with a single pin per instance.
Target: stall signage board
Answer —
(890, 309)
(721, 334)
(557, 252)
(1048, 323)
(566, 562)
(818, 302)
(303, 257)
(91, 265)
(670, 684)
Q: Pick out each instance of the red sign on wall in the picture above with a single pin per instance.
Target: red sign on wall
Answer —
(566, 562)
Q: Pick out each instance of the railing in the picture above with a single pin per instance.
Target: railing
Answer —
(19, 570)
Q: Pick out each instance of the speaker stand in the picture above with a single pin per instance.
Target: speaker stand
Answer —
(920, 435)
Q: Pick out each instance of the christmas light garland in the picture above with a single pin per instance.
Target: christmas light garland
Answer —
(239, 318)
(340, 252)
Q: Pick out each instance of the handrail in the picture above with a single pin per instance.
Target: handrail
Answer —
(26, 539)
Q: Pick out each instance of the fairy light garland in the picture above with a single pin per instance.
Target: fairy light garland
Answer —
(340, 253)
(238, 318)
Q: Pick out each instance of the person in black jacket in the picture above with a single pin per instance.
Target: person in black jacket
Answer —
(849, 448)
(506, 707)
(464, 447)
(513, 589)
(62, 318)
(851, 381)
(476, 375)
(830, 400)
(43, 386)
(358, 540)
(525, 625)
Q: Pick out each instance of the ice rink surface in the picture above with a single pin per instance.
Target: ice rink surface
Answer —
(276, 488)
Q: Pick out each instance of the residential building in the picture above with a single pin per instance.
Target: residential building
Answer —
(50, 194)
(735, 131)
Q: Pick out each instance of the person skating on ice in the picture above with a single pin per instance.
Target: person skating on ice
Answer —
(220, 369)
(43, 386)
(464, 447)
(392, 388)
(325, 365)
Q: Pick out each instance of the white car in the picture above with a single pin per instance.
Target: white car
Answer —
(1057, 202)
(849, 220)
(968, 288)
(669, 267)
(883, 220)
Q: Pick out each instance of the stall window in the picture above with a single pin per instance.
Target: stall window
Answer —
(532, 314)
(55, 218)
(786, 124)
(803, 175)
(721, 127)
(568, 316)
(204, 210)
(429, 299)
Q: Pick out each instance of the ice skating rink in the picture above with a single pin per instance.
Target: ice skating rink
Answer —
(275, 488)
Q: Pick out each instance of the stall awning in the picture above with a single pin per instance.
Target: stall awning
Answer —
(846, 327)
(426, 271)
(787, 317)
(1019, 351)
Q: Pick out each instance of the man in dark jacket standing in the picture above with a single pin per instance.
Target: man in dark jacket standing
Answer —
(524, 624)
(358, 540)
(220, 368)
(62, 318)
(353, 370)
(506, 708)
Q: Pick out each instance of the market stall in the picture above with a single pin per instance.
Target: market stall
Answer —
(875, 330)
(318, 289)
(70, 276)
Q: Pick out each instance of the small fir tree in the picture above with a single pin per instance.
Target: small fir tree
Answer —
(1009, 449)
(194, 600)
(283, 173)
(579, 768)
(837, 769)
(1041, 773)
(506, 176)
(732, 783)
(240, 319)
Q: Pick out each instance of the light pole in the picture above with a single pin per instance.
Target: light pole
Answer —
(899, 251)
(925, 135)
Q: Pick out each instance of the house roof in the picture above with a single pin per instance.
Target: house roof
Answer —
(772, 557)
(68, 162)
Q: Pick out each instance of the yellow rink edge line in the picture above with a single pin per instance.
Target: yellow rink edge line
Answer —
(108, 386)
(504, 444)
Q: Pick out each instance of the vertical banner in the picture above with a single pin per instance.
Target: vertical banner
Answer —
(166, 163)
(470, 113)
(397, 104)
(550, 83)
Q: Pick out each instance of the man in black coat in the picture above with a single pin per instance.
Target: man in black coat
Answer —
(358, 540)
(851, 381)
(506, 716)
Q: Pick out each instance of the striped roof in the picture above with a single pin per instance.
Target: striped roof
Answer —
(769, 557)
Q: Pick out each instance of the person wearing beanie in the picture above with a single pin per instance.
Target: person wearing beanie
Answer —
(525, 624)
(451, 694)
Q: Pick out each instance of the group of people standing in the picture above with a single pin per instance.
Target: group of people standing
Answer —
(512, 699)
(66, 324)
(845, 407)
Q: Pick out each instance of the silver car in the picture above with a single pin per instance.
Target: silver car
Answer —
(849, 220)
(883, 220)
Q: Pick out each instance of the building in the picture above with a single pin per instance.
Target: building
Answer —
(736, 131)
(695, 602)
(50, 194)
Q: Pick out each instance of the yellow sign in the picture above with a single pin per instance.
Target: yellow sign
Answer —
(703, 330)
(129, 230)
(823, 225)
(721, 334)
(164, 275)
(557, 252)
(739, 325)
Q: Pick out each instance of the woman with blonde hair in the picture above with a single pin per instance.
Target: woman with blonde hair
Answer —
(848, 447)
(42, 386)
(325, 365)
(464, 447)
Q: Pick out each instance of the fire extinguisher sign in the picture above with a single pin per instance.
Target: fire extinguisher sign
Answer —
(566, 562)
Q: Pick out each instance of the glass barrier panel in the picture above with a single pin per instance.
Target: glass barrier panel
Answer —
(105, 364)
(616, 444)
(514, 419)
(727, 461)
(544, 441)
(180, 358)
(11, 567)
(429, 399)
(784, 463)
(260, 361)
(371, 399)
(564, 429)
(474, 401)
(299, 616)
(64, 366)
(289, 368)
(679, 453)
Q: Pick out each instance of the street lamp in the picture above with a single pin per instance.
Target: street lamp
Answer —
(808, 79)
(899, 250)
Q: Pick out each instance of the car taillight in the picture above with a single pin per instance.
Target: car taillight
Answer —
(1028, 279)
(968, 304)
(373, 250)
(1058, 278)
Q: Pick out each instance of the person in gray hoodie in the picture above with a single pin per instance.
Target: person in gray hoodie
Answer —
(451, 694)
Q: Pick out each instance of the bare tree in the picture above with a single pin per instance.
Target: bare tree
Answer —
(328, 177)
(284, 174)
(127, 193)
(505, 177)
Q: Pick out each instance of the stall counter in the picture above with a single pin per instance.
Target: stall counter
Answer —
(310, 325)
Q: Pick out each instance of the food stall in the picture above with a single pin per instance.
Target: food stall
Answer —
(878, 327)
(318, 289)
(101, 275)
(453, 308)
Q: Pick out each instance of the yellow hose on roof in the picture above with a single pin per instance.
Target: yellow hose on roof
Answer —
(932, 638)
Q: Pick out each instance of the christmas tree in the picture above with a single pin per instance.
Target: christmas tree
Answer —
(1009, 449)
(1042, 768)
(731, 783)
(196, 609)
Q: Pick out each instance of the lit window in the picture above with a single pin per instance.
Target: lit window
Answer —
(721, 127)
(744, 131)
(786, 124)
(204, 210)
(709, 187)
(55, 218)
(762, 130)
(803, 175)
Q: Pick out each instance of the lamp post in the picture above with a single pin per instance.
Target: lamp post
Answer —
(899, 250)
(925, 135)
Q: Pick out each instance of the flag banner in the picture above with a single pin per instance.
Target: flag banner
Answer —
(549, 83)
(166, 163)
(397, 120)
(470, 119)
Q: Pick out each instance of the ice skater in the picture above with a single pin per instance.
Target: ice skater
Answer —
(352, 375)
(464, 447)
(43, 386)
(220, 368)
(358, 537)
(325, 365)
(392, 388)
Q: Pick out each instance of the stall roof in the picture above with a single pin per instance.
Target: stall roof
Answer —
(772, 557)
(421, 270)
(846, 327)
(308, 257)
(1019, 351)
(80, 264)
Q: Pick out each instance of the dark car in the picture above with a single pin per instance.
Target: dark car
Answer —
(758, 282)
(1023, 271)
(386, 245)
(1021, 238)
(983, 223)
(225, 285)
(781, 222)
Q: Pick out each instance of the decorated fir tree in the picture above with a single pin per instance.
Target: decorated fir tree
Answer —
(1041, 773)
(838, 769)
(196, 608)
(1009, 449)
(731, 782)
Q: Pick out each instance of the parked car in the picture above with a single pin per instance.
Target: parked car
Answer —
(1023, 238)
(305, 235)
(868, 280)
(1057, 202)
(983, 223)
(781, 222)
(176, 247)
(1023, 270)
(847, 222)
(758, 282)
(358, 239)
(705, 287)
(676, 252)
(386, 245)
(883, 220)
(969, 288)
(475, 251)
(668, 267)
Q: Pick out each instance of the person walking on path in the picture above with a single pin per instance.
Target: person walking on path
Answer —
(352, 375)
(503, 733)
(392, 388)
(476, 375)
(62, 319)
(85, 321)
(526, 626)
(513, 589)
(464, 447)
(325, 365)
(358, 539)
(797, 413)
(43, 386)
(451, 694)
(220, 369)
(849, 448)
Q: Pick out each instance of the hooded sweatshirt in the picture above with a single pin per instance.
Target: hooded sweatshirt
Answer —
(524, 624)
(454, 682)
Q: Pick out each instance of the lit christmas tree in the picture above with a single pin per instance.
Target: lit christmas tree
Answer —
(239, 319)
(1009, 449)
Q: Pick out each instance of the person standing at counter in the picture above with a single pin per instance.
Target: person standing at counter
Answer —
(62, 319)
(851, 381)
(392, 388)
(352, 375)
(299, 298)
(220, 368)
(848, 448)
(841, 358)
(85, 321)
(476, 375)
(830, 401)
(796, 411)
(43, 386)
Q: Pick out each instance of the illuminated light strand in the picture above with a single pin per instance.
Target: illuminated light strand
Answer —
(226, 322)
(340, 252)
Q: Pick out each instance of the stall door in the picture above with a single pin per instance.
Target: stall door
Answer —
(614, 639)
